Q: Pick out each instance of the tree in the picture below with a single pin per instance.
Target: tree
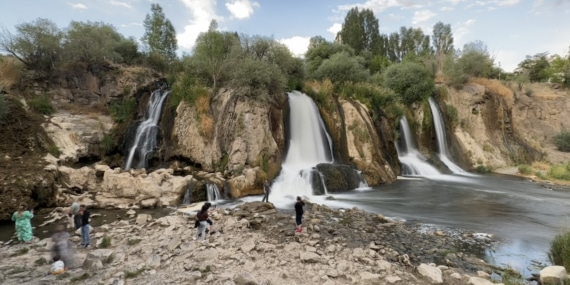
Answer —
(160, 35)
(342, 67)
(560, 70)
(212, 50)
(360, 31)
(475, 59)
(92, 42)
(316, 41)
(442, 42)
(538, 67)
(409, 41)
(315, 56)
(36, 44)
(411, 81)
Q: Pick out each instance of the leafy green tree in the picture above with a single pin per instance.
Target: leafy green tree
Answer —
(442, 42)
(342, 67)
(160, 35)
(128, 50)
(212, 51)
(360, 31)
(411, 81)
(475, 59)
(538, 67)
(316, 41)
(36, 44)
(315, 56)
(257, 78)
(560, 70)
(407, 41)
(92, 42)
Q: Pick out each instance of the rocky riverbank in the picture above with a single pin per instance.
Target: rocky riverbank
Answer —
(255, 244)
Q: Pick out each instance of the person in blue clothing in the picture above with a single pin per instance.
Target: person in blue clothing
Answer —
(299, 214)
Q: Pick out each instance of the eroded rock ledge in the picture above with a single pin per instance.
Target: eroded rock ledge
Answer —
(256, 244)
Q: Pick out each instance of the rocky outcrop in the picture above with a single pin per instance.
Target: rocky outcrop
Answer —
(79, 136)
(252, 244)
(338, 177)
(240, 136)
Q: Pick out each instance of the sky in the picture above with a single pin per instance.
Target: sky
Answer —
(512, 29)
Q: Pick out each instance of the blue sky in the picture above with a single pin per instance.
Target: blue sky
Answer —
(511, 29)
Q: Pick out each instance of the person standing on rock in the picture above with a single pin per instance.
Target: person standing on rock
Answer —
(85, 227)
(23, 224)
(266, 191)
(299, 214)
(202, 218)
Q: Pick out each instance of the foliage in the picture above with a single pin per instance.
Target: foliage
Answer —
(4, 108)
(482, 169)
(560, 70)
(562, 141)
(559, 253)
(525, 169)
(475, 59)
(561, 171)
(537, 67)
(185, 88)
(408, 42)
(442, 40)
(411, 82)
(122, 111)
(105, 242)
(41, 104)
(321, 92)
(92, 42)
(36, 44)
(342, 67)
(10, 71)
(360, 31)
(160, 36)
(451, 114)
(322, 51)
(258, 78)
(212, 51)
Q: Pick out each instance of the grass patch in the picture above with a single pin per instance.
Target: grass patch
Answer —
(134, 274)
(124, 110)
(40, 261)
(41, 104)
(106, 242)
(541, 165)
(346, 221)
(559, 253)
(525, 169)
(495, 87)
(321, 92)
(511, 277)
(133, 241)
(21, 251)
(561, 171)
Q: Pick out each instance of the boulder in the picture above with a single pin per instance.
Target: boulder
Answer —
(310, 257)
(553, 275)
(339, 177)
(433, 274)
(479, 281)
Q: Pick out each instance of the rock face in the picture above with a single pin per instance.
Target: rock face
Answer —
(338, 177)
(237, 135)
(553, 275)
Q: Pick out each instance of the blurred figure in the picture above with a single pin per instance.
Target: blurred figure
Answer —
(299, 214)
(62, 246)
(266, 191)
(23, 224)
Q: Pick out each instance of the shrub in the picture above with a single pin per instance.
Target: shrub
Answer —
(562, 141)
(321, 92)
(561, 172)
(525, 169)
(559, 253)
(4, 108)
(342, 67)
(451, 113)
(482, 169)
(42, 105)
(123, 110)
(185, 88)
(10, 71)
(106, 242)
(411, 81)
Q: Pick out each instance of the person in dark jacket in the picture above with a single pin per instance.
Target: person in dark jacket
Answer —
(202, 219)
(85, 215)
(299, 214)
(266, 191)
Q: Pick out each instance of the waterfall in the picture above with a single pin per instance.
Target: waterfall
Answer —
(213, 192)
(413, 162)
(146, 138)
(363, 184)
(443, 150)
(309, 145)
(187, 195)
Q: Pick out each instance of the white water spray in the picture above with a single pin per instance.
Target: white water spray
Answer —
(441, 139)
(147, 132)
(309, 145)
(414, 163)
(213, 192)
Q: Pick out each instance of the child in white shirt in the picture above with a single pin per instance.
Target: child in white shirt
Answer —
(57, 267)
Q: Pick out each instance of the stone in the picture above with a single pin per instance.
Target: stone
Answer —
(100, 254)
(433, 274)
(249, 266)
(142, 219)
(455, 276)
(131, 212)
(483, 274)
(153, 261)
(247, 246)
(173, 244)
(392, 279)
(309, 257)
(553, 275)
(479, 281)
(92, 264)
(244, 278)
(369, 278)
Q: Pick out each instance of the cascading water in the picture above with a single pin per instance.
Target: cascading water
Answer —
(309, 145)
(213, 192)
(441, 139)
(186, 200)
(413, 162)
(146, 138)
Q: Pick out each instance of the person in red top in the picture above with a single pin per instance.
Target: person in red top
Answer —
(202, 218)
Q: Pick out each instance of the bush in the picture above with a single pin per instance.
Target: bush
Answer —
(342, 67)
(562, 141)
(411, 81)
(559, 253)
(124, 110)
(482, 169)
(42, 105)
(561, 171)
(321, 92)
(525, 169)
(106, 242)
(185, 88)
(258, 78)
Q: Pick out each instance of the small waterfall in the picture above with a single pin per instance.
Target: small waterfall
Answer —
(413, 162)
(186, 200)
(363, 184)
(213, 192)
(309, 145)
(146, 138)
(442, 139)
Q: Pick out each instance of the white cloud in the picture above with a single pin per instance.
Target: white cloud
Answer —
(334, 29)
(469, 22)
(241, 9)
(78, 6)
(445, 8)
(203, 12)
(422, 16)
(297, 45)
(122, 4)
(508, 2)
(460, 31)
